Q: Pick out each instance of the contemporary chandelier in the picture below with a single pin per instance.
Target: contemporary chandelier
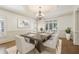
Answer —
(40, 15)
(40, 11)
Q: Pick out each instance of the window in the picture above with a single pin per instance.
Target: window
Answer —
(51, 26)
(1, 25)
(46, 26)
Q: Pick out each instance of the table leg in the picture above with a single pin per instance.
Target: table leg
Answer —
(38, 47)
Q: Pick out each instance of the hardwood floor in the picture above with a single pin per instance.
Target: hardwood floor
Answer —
(8, 44)
(67, 46)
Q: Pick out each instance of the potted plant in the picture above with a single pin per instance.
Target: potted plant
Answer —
(68, 33)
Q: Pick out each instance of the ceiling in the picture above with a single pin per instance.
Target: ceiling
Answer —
(55, 10)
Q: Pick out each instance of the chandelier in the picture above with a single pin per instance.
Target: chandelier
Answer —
(40, 11)
(40, 15)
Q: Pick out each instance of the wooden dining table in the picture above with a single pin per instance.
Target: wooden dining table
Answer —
(38, 37)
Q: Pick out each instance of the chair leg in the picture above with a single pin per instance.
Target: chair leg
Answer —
(17, 52)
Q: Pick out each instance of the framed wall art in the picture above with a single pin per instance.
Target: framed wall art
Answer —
(22, 23)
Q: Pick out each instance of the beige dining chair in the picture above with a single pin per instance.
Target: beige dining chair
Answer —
(52, 43)
(23, 46)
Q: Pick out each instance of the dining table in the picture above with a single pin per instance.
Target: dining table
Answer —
(39, 38)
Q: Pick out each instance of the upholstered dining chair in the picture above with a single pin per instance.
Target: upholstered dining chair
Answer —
(23, 46)
(52, 42)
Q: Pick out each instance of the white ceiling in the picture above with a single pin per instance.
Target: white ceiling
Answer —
(24, 10)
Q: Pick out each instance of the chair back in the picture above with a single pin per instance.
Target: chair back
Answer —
(55, 39)
(20, 43)
(52, 42)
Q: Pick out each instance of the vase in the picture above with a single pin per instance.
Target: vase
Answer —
(68, 36)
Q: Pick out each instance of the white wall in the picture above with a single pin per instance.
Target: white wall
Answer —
(65, 21)
(11, 20)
